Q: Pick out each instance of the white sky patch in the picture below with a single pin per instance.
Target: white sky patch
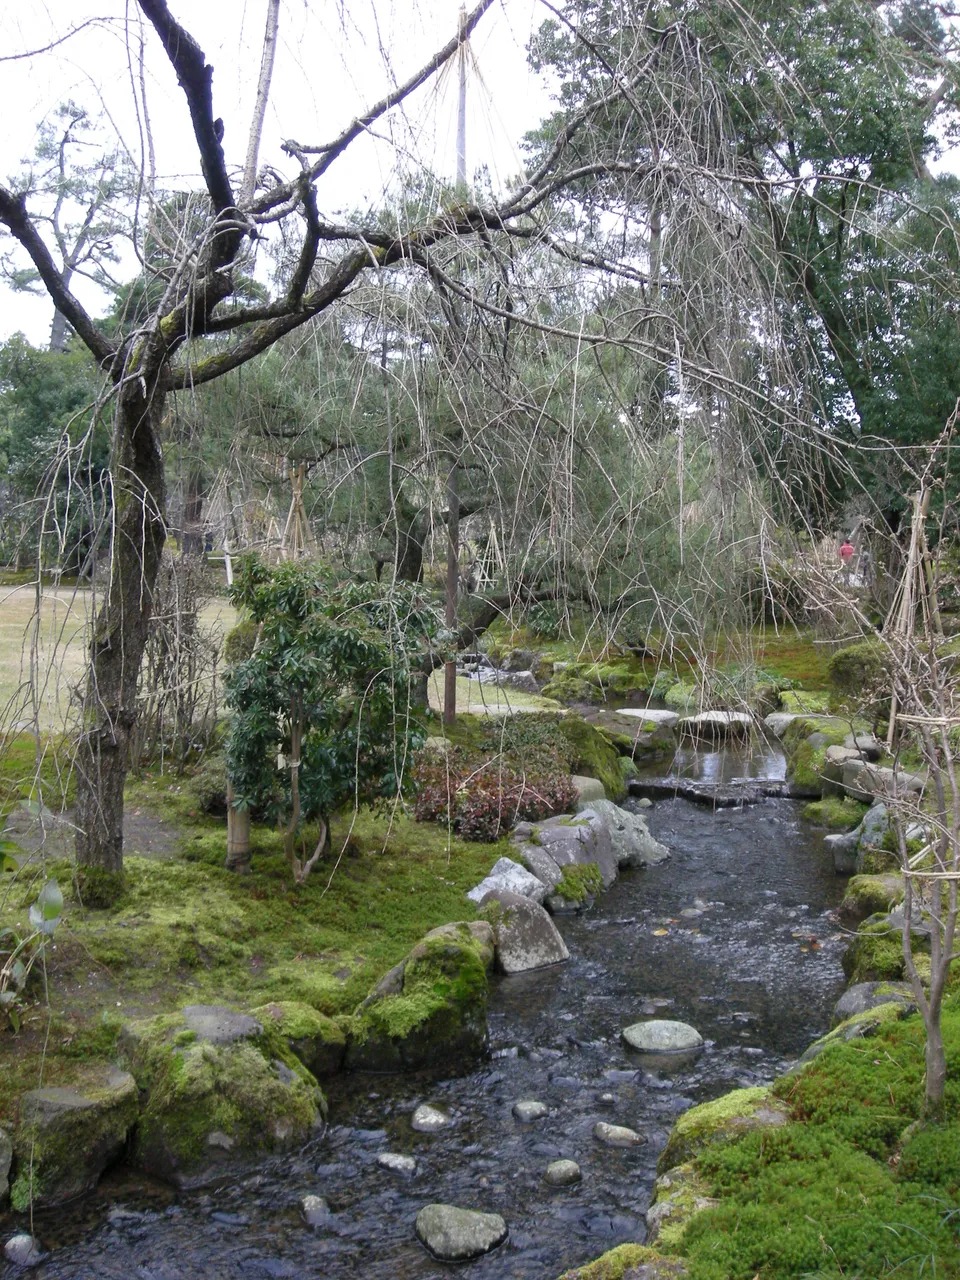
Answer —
(333, 60)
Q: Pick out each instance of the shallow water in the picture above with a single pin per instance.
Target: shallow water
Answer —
(757, 972)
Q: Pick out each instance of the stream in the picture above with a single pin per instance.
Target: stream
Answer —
(732, 935)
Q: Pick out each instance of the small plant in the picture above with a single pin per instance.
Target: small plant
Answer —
(19, 954)
(481, 799)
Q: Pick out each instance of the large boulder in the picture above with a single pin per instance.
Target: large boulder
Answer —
(526, 937)
(429, 1009)
(318, 1041)
(510, 877)
(722, 1120)
(571, 854)
(222, 1090)
(67, 1136)
(452, 1234)
(714, 726)
(873, 782)
(519, 660)
(632, 843)
(777, 722)
(588, 789)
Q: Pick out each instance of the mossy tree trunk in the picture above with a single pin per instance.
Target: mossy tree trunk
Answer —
(120, 634)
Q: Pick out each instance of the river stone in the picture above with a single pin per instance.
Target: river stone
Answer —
(519, 660)
(616, 1135)
(6, 1155)
(314, 1210)
(529, 1110)
(524, 681)
(588, 789)
(597, 843)
(427, 1119)
(526, 937)
(661, 1035)
(395, 1163)
(865, 744)
(509, 875)
(632, 843)
(870, 782)
(542, 866)
(843, 848)
(863, 996)
(562, 1173)
(23, 1251)
(68, 1136)
(457, 1235)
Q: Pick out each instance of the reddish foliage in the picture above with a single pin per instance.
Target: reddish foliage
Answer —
(483, 799)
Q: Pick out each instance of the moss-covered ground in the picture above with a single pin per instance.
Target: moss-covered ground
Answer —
(855, 1184)
(188, 931)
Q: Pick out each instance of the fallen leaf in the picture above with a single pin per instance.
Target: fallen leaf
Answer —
(659, 933)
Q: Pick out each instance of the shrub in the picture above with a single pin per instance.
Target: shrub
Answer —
(481, 799)
(858, 674)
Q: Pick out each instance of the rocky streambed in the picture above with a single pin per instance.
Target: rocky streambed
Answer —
(732, 935)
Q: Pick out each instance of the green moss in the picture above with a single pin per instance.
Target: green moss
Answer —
(679, 1197)
(569, 689)
(97, 887)
(836, 812)
(579, 882)
(682, 697)
(628, 769)
(805, 702)
(805, 743)
(614, 1264)
(858, 671)
(867, 894)
(594, 756)
(876, 953)
(722, 1120)
(859, 1026)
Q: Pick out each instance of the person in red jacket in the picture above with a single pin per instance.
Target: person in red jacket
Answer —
(847, 552)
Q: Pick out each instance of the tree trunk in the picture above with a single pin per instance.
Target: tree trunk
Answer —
(193, 538)
(238, 835)
(936, 1062)
(119, 639)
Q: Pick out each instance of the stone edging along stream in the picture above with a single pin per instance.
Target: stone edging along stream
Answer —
(207, 1093)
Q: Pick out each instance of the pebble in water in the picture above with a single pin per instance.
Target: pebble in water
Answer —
(427, 1119)
(314, 1209)
(23, 1251)
(397, 1163)
(616, 1135)
(607, 1099)
(661, 1035)
(529, 1110)
(562, 1173)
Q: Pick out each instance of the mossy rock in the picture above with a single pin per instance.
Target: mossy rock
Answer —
(431, 1009)
(858, 673)
(216, 1105)
(682, 697)
(876, 953)
(623, 1262)
(570, 689)
(678, 1197)
(859, 1026)
(805, 743)
(596, 756)
(317, 1040)
(836, 813)
(801, 702)
(867, 895)
(579, 884)
(68, 1135)
(722, 1120)
(628, 769)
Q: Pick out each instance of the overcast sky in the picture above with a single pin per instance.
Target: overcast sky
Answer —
(334, 58)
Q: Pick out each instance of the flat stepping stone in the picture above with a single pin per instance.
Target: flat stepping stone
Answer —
(562, 1173)
(427, 1119)
(396, 1163)
(452, 1234)
(658, 717)
(529, 1110)
(616, 1135)
(216, 1025)
(661, 1035)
